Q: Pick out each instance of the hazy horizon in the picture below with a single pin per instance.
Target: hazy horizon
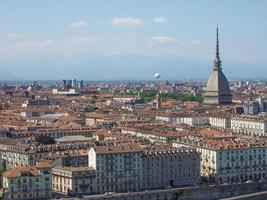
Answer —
(133, 40)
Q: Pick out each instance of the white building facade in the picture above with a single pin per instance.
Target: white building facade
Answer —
(118, 168)
(74, 180)
(249, 126)
(28, 183)
(173, 167)
(232, 164)
(220, 122)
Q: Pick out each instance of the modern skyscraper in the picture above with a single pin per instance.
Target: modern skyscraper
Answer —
(63, 85)
(217, 90)
(80, 84)
(69, 83)
(74, 83)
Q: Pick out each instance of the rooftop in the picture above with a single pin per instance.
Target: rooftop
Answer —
(121, 148)
(75, 169)
(18, 171)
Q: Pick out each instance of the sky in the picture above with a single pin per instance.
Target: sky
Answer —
(131, 39)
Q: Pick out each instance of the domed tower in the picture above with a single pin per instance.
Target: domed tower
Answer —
(217, 90)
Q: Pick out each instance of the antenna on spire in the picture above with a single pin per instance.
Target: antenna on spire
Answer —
(217, 61)
(217, 43)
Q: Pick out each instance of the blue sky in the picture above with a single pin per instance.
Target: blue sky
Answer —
(131, 39)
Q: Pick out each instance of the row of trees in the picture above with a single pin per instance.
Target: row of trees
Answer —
(177, 96)
(149, 96)
(182, 97)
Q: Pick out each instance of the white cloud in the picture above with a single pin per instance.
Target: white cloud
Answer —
(17, 35)
(78, 24)
(126, 21)
(39, 44)
(197, 42)
(29, 48)
(81, 39)
(126, 44)
(160, 19)
(164, 40)
(77, 42)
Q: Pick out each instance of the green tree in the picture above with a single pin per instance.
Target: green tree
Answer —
(171, 95)
(92, 101)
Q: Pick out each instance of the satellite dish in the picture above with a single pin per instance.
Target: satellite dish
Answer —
(157, 76)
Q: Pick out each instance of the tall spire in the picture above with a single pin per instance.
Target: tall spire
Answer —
(217, 44)
(217, 61)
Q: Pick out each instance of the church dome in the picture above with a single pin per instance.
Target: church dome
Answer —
(217, 90)
(218, 82)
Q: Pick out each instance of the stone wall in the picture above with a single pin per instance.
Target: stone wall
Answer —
(221, 191)
(196, 193)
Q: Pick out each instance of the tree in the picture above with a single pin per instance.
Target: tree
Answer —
(171, 95)
(92, 101)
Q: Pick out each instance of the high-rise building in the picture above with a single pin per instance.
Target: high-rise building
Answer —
(80, 84)
(74, 83)
(69, 84)
(63, 85)
(217, 90)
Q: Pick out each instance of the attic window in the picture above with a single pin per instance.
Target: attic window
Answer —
(24, 174)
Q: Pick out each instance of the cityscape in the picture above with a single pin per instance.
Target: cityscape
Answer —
(116, 106)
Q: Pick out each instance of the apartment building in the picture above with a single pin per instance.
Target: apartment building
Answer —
(154, 131)
(228, 158)
(250, 125)
(130, 167)
(152, 135)
(23, 154)
(166, 117)
(170, 167)
(28, 182)
(214, 120)
(220, 121)
(93, 118)
(193, 120)
(118, 168)
(34, 112)
(74, 180)
(57, 132)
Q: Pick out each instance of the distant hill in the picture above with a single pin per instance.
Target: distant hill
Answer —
(5, 75)
(134, 67)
